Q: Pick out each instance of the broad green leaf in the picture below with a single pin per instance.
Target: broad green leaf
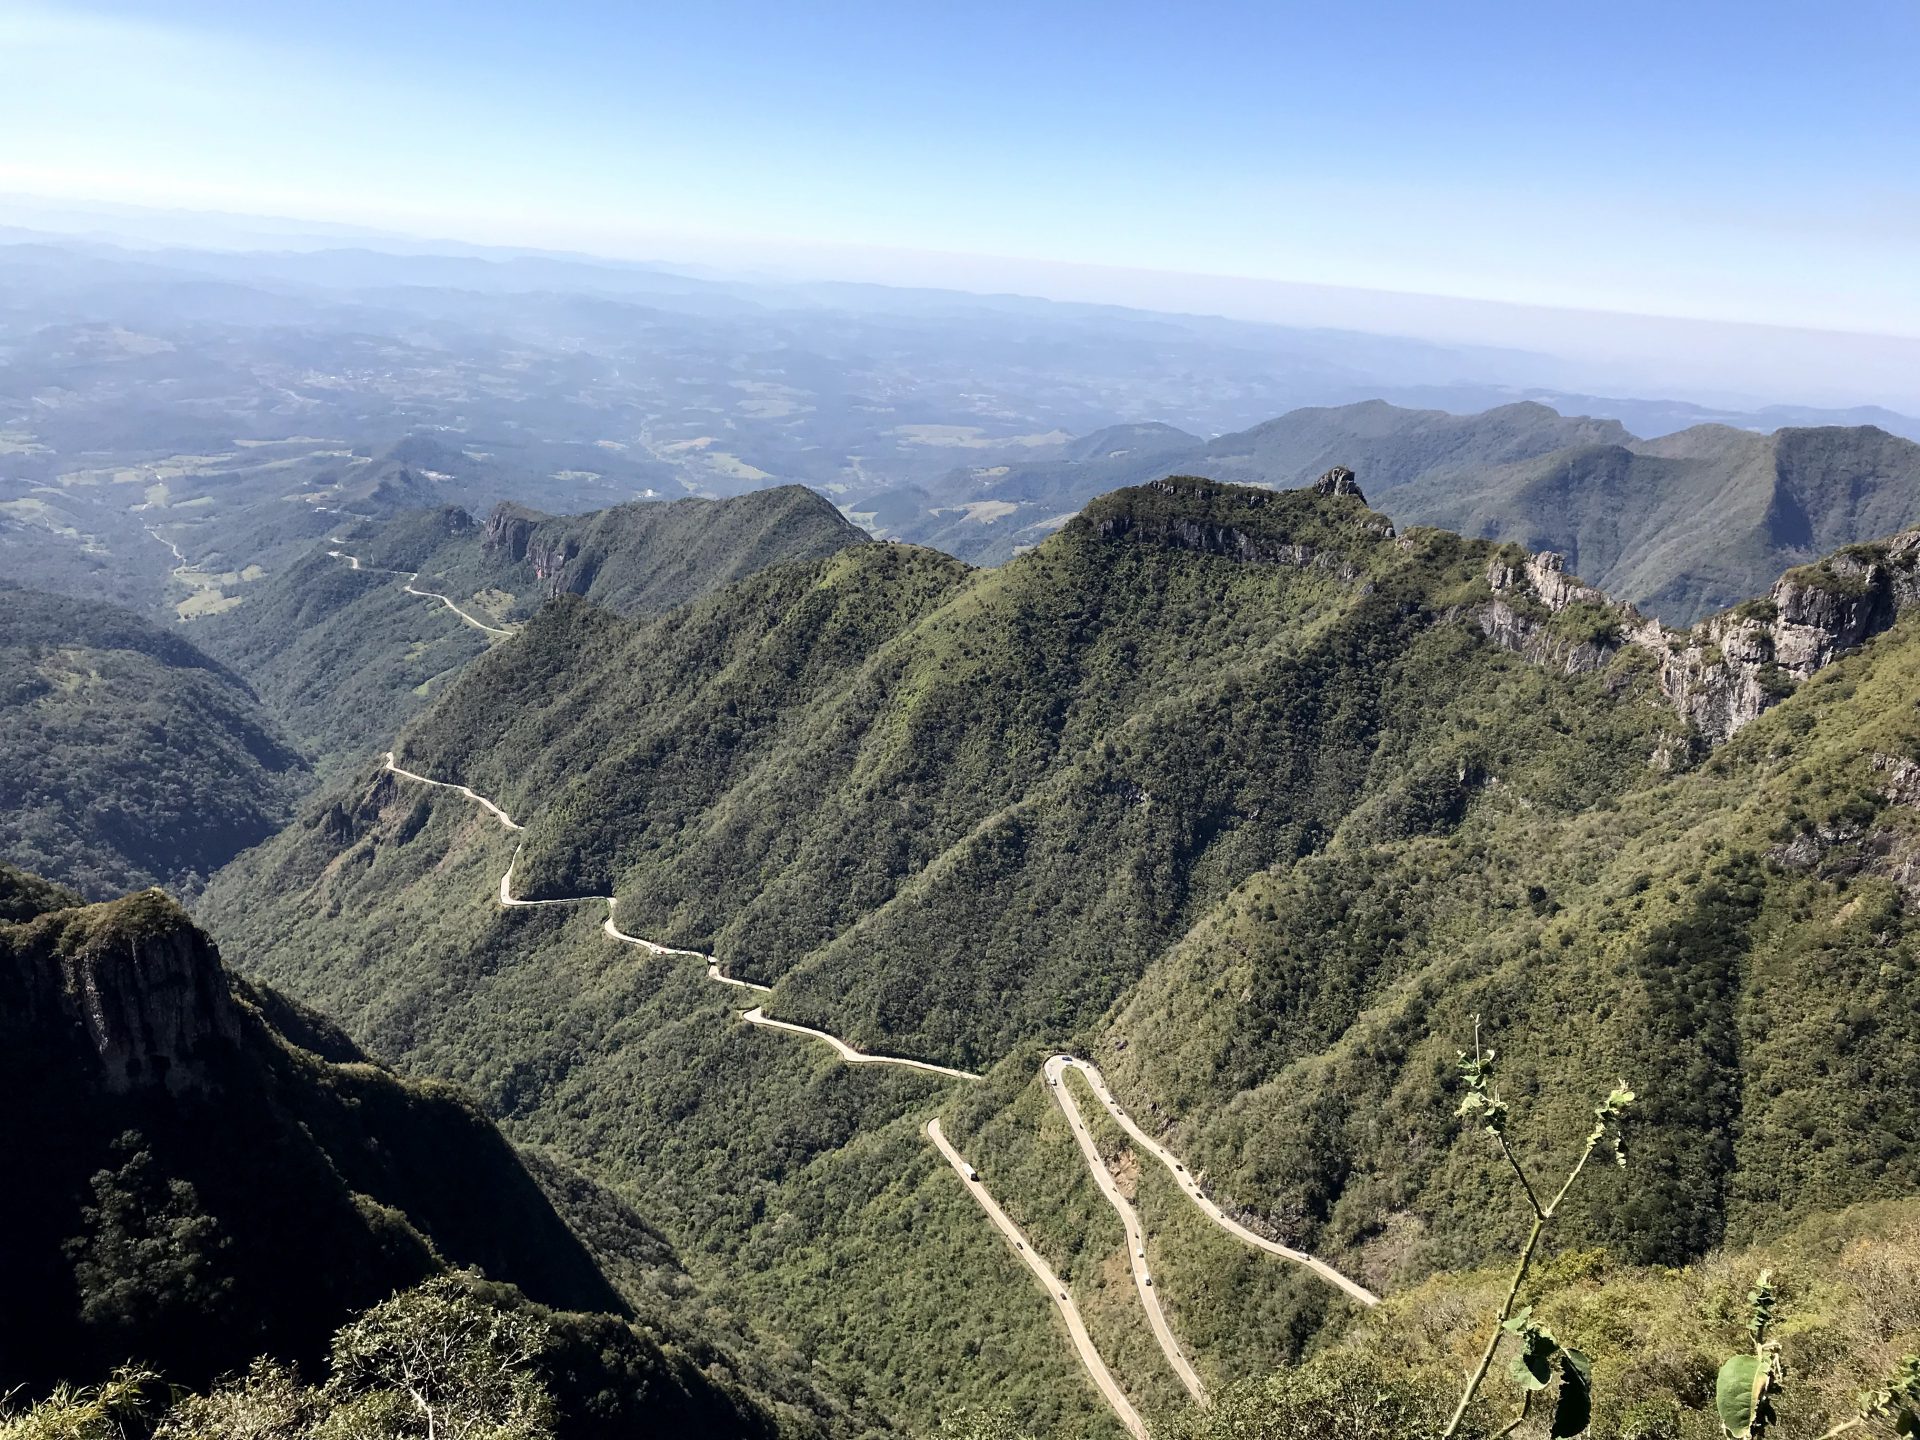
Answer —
(1573, 1411)
(1736, 1396)
(1532, 1368)
(1517, 1322)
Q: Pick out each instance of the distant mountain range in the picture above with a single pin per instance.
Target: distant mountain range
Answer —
(1680, 525)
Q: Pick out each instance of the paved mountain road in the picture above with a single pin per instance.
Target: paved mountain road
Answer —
(1054, 1070)
(477, 798)
(1130, 1223)
(1056, 1289)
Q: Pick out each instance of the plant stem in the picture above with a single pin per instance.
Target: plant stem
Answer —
(1845, 1425)
(1540, 1218)
(1493, 1340)
(1526, 1408)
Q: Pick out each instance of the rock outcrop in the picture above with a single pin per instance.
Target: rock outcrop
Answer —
(132, 984)
(509, 530)
(1339, 481)
(518, 534)
(1242, 523)
(1731, 667)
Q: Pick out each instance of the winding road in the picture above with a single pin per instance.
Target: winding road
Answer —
(353, 563)
(1136, 1233)
(1055, 1071)
(1055, 1287)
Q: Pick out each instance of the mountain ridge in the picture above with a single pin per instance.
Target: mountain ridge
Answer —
(1245, 796)
(1681, 525)
(342, 654)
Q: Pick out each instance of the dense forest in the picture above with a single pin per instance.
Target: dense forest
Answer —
(342, 654)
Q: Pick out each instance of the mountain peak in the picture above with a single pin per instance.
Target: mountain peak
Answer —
(1243, 522)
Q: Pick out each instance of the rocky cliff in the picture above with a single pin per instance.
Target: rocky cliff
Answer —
(1731, 667)
(546, 545)
(508, 530)
(1242, 523)
(131, 984)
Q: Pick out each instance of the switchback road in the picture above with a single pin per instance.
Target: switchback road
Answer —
(1055, 1071)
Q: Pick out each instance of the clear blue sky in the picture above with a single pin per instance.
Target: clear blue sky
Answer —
(1756, 161)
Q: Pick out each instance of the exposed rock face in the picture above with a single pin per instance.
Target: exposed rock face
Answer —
(131, 982)
(1339, 481)
(509, 528)
(1731, 667)
(550, 559)
(517, 534)
(1845, 849)
(1514, 622)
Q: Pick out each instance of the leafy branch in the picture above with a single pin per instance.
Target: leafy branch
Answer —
(1744, 1393)
(1541, 1356)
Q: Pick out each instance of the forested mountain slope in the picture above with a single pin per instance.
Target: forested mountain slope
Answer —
(128, 757)
(873, 777)
(1691, 522)
(202, 1172)
(1242, 793)
(342, 655)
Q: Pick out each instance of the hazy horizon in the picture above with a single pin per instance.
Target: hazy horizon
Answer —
(1517, 182)
(1707, 362)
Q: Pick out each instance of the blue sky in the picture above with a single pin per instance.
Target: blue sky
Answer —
(1753, 162)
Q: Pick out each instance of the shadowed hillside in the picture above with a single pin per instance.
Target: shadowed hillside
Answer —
(127, 756)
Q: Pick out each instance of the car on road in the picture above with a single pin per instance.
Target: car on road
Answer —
(973, 1174)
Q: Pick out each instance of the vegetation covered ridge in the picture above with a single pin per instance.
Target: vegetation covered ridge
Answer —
(1055, 1067)
(343, 656)
(1255, 834)
(128, 757)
